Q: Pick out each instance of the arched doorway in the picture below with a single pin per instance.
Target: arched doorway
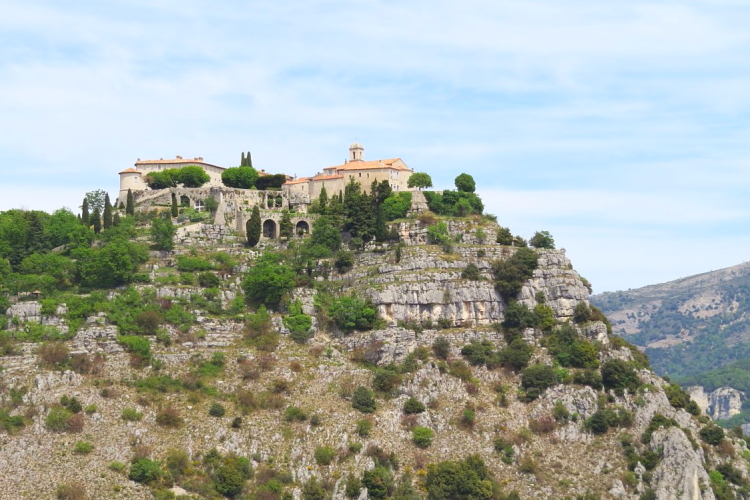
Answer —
(302, 228)
(184, 201)
(269, 229)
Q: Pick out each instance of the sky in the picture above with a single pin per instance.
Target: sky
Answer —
(621, 127)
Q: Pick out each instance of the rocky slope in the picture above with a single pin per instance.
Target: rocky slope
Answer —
(577, 439)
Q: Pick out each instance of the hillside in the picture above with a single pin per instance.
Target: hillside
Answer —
(440, 363)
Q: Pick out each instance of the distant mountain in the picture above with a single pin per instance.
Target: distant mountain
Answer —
(687, 326)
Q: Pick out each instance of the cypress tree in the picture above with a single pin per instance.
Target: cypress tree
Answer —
(116, 219)
(174, 205)
(249, 160)
(85, 212)
(286, 229)
(381, 231)
(242, 161)
(107, 212)
(121, 206)
(96, 220)
(323, 200)
(130, 206)
(252, 228)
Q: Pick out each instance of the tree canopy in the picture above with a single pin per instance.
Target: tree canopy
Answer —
(419, 180)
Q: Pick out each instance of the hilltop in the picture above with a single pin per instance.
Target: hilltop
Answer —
(428, 355)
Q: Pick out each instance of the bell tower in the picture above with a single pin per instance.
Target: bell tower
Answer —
(356, 152)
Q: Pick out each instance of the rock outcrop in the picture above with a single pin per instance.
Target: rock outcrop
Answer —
(719, 404)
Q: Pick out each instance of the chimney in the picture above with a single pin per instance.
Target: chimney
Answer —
(179, 157)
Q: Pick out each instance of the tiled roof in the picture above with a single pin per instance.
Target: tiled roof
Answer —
(177, 161)
(327, 177)
(298, 181)
(367, 165)
(131, 170)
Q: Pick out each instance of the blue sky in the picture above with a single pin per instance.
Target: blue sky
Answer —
(621, 127)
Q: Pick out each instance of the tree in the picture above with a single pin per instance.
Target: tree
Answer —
(96, 199)
(504, 236)
(130, 205)
(85, 212)
(174, 210)
(240, 177)
(116, 219)
(322, 201)
(363, 400)
(465, 183)
(211, 204)
(96, 220)
(107, 216)
(457, 480)
(286, 229)
(326, 233)
(419, 180)
(192, 176)
(162, 233)
(252, 227)
(379, 482)
(542, 239)
(268, 281)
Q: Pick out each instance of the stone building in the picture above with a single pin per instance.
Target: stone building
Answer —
(335, 179)
(135, 178)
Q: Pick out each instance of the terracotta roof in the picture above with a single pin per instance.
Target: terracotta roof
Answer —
(177, 161)
(367, 165)
(297, 181)
(327, 177)
(131, 170)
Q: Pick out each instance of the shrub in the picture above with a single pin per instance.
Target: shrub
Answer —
(353, 486)
(344, 261)
(217, 410)
(324, 455)
(441, 347)
(116, 466)
(379, 482)
(538, 377)
(148, 322)
(471, 272)
(268, 281)
(560, 413)
(58, 419)
(468, 417)
(131, 415)
(516, 355)
(542, 239)
(186, 263)
(582, 313)
(543, 425)
(145, 470)
(617, 374)
(712, 434)
(137, 345)
(363, 400)
(422, 436)
(386, 379)
(169, 417)
(208, 280)
(53, 353)
(83, 447)
(364, 428)
(413, 405)
(294, 414)
(73, 490)
(452, 480)
(313, 490)
(511, 273)
(350, 313)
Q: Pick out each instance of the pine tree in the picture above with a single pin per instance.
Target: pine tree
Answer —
(253, 227)
(96, 220)
(286, 229)
(130, 206)
(175, 213)
(107, 212)
(116, 219)
(85, 213)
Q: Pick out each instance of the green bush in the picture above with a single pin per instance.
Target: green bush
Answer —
(413, 405)
(58, 419)
(217, 410)
(294, 414)
(188, 264)
(422, 436)
(379, 482)
(208, 280)
(471, 272)
(386, 379)
(313, 490)
(364, 428)
(542, 239)
(363, 400)
(712, 434)
(510, 274)
(138, 345)
(268, 281)
(617, 374)
(453, 480)
(131, 415)
(324, 455)
(441, 347)
(83, 447)
(516, 355)
(145, 470)
(536, 378)
(353, 313)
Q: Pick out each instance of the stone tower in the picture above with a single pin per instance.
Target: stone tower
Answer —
(356, 152)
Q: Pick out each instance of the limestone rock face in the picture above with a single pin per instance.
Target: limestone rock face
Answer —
(720, 404)
(680, 475)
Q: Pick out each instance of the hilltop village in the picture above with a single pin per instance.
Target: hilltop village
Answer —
(236, 196)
